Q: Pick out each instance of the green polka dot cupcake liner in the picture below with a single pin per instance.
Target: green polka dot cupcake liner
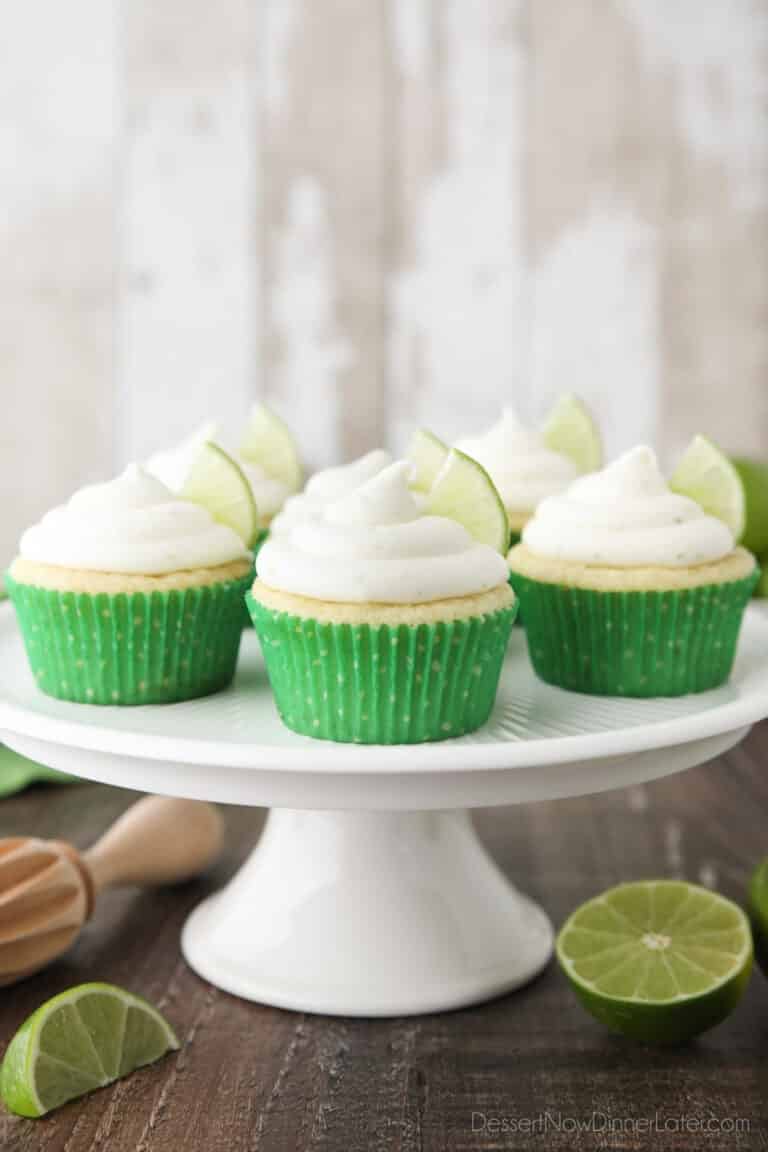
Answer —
(633, 643)
(154, 647)
(387, 684)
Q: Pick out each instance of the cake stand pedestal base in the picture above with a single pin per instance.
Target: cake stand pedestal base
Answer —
(368, 914)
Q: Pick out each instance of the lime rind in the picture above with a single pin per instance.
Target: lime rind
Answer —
(427, 453)
(754, 478)
(218, 482)
(464, 491)
(706, 475)
(570, 430)
(758, 912)
(659, 961)
(268, 442)
(55, 1056)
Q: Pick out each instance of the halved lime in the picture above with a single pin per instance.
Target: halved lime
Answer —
(269, 443)
(218, 482)
(754, 477)
(78, 1041)
(464, 491)
(571, 430)
(660, 960)
(758, 912)
(427, 454)
(706, 475)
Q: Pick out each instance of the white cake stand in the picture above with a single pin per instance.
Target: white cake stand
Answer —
(369, 892)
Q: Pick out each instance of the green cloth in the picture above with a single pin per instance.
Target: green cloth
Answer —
(16, 773)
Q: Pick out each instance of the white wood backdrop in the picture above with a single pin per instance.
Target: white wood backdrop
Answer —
(375, 213)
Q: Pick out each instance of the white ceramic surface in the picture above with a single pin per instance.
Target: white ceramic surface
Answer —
(368, 894)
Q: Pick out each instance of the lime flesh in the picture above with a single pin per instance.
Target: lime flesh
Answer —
(427, 454)
(464, 491)
(571, 431)
(269, 443)
(754, 478)
(706, 475)
(659, 961)
(218, 482)
(81, 1040)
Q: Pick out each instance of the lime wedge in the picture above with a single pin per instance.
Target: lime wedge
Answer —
(706, 475)
(758, 912)
(217, 482)
(464, 491)
(78, 1041)
(571, 431)
(754, 477)
(427, 454)
(660, 961)
(269, 443)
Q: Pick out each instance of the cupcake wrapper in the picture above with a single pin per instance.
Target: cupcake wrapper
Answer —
(633, 643)
(385, 684)
(131, 648)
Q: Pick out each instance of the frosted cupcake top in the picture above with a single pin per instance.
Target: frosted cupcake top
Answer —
(329, 485)
(130, 524)
(626, 515)
(374, 545)
(172, 468)
(521, 466)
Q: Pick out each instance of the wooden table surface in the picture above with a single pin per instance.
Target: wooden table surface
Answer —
(262, 1080)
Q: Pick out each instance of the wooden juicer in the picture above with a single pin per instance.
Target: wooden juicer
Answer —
(48, 889)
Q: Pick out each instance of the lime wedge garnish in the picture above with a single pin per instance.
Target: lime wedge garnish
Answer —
(464, 491)
(706, 475)
(427, 454)
(754, 478)
(571, 431)
(218, 482)
(78, 1041)
(660, 961)
(269, 443)
(758, 912)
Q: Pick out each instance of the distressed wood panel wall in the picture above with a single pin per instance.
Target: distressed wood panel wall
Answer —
(376, 213)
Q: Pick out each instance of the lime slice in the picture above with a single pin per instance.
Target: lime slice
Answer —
(464, 491)
(427, 454)
(269, 444)
(571, 431)
(758, 912)
(660, 961)
(761, 588)
(706, 475)
(78, 1041)
(754, 477)
(217, 482)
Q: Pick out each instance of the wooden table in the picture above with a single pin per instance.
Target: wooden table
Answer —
(261, 1080)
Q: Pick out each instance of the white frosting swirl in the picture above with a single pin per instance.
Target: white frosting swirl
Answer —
(521, 466)
(172, 468)
(130, 524)
(329, 485)
(374, 545)
(624, 516)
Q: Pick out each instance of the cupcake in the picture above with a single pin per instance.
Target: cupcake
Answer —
(380, 624)
(327, 486)
(528, 465)
(127, 595)
(628, 588)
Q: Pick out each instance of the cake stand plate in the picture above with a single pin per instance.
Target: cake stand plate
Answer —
(369, 892)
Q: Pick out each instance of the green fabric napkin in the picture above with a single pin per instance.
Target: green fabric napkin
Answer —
(16, 772)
